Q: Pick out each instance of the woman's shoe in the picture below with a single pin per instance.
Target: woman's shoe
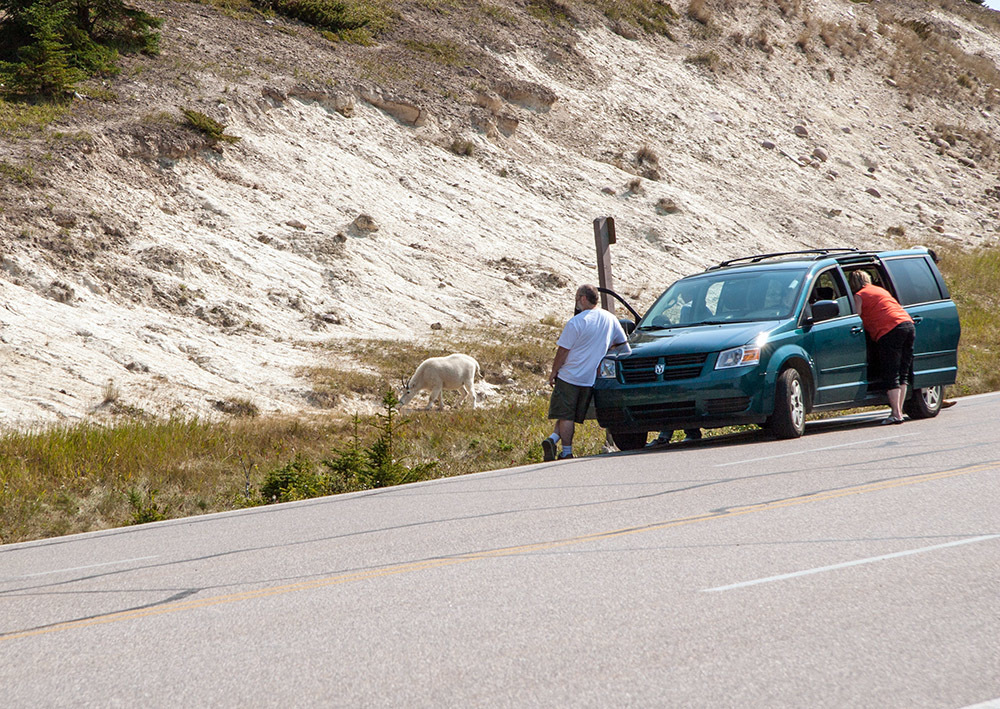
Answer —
(891, 420)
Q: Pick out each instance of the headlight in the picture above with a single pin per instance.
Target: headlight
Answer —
(738, 357)
(607, 370)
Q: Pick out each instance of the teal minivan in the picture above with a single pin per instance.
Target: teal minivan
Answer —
(768, 339)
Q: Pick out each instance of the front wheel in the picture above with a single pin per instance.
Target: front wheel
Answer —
(789, 418)
(925, 403)
(628, 440)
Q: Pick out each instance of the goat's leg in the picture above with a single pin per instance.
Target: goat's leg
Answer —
(439, 395)
(468, 392)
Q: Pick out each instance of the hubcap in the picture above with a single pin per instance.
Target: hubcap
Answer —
(932, 397)
(796, 405)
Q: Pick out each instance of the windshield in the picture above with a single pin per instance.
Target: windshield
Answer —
(725, 297)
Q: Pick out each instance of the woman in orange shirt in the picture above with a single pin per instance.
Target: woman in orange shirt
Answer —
(891, 327)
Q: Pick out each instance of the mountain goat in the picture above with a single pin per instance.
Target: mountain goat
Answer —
(456, 371)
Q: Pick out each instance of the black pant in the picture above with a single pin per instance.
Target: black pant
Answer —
(895, 355)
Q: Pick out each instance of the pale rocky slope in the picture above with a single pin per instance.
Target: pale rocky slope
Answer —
(141, 264)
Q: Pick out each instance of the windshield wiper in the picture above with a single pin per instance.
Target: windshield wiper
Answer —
(723, 322)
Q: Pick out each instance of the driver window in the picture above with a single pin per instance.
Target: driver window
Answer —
(830, 286)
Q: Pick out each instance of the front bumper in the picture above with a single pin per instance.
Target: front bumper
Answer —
(712, 399)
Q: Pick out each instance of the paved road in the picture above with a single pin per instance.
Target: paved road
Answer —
(857, 566)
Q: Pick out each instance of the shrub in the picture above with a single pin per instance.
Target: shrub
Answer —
(297, 480)
(447, 53)
(241, 408)
(16, 173)
(382, 469)
(209, 126)
(653, 16)
(699, 11)
(645, 154)
(350, 468)
(143, 511)
(349, 20)
(460, 146)
(710, 60)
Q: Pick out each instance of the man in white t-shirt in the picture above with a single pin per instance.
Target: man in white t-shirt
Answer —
(584, 342)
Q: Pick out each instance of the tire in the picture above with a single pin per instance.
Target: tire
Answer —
(789, 417)
(629, 441)
(925, 403)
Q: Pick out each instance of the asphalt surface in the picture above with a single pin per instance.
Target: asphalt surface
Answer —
(857, 566)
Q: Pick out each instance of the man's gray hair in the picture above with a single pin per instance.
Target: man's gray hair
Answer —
(589, 292)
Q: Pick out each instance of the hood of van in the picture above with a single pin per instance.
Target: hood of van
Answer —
(702, 338)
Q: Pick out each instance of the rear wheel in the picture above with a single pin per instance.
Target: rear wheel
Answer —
(789, 417)
(925, 403)
(628, 440)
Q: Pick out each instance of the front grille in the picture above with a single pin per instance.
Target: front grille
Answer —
(670, 375)
(662, 412)
(642, 370)
(731, 405)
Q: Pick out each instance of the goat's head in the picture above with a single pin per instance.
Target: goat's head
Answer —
(406, 393)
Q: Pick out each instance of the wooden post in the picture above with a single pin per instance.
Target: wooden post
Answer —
(604, 236)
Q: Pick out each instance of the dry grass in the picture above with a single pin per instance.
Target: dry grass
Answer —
(90, 476)
(709, 60)
(977, 145)
(974, 280)
(78, 478)
(927, 63)
(19, 120)
(652, 16)
(699, 11)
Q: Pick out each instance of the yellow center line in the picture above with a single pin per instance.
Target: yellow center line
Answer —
(426, 564)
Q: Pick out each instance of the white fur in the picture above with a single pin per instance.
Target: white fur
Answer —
(435, 374)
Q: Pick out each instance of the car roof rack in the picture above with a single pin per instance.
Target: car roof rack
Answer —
(815, 253)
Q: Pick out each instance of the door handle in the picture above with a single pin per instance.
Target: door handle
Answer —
(857, 330)
(917, 320)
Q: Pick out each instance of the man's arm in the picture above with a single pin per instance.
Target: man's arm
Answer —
(621, 348)
(557, 362)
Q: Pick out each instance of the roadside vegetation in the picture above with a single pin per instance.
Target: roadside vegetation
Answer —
(90, 476)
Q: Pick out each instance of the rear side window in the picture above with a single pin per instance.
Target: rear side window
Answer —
(914, 280)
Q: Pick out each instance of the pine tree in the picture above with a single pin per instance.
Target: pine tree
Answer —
(47, 45)
(44, 66)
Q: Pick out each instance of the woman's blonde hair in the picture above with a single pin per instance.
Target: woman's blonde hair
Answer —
(858, 280)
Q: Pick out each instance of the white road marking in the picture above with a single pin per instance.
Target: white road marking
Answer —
(815, 450)
(990, 704)
(80, 568)
(846, 564)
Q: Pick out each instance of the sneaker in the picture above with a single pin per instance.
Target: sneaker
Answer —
(548, 450)
(565, 457)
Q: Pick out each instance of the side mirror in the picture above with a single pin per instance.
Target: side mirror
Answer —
(627, 325)
(825, 310)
